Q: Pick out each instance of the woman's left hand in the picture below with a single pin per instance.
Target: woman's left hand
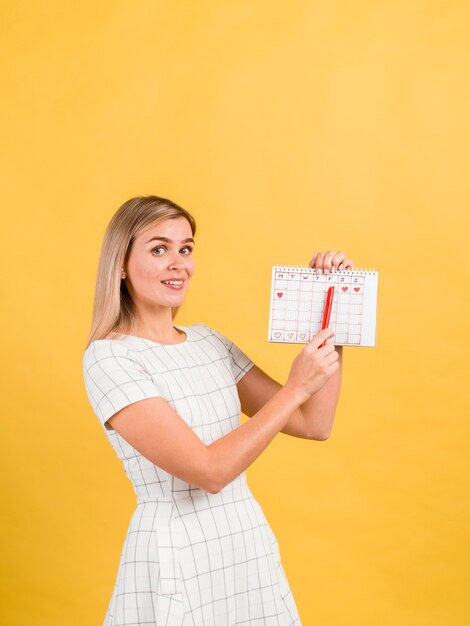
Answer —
(330, 261)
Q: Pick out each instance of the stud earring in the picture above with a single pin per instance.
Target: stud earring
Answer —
(123, 275)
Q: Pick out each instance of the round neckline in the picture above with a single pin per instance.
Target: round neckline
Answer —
(179, 343)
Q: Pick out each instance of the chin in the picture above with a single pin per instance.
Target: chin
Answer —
(177, 300)
(170, 299)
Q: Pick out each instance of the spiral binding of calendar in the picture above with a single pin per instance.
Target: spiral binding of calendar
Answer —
(356, 271)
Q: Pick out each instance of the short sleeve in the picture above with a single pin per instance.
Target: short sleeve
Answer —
(114, 379)
(240, 362)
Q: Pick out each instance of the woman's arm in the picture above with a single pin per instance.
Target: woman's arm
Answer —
(311, 420)
(314, 418)
(155, 429)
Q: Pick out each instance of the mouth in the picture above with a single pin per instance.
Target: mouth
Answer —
(174, 284)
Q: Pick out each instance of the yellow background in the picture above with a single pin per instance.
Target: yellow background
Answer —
(284, 128)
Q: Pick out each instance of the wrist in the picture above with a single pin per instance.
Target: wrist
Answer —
(295, 394)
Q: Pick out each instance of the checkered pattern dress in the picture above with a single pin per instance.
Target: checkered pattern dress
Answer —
(190, 558)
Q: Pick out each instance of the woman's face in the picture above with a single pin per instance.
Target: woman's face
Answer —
(162, 253)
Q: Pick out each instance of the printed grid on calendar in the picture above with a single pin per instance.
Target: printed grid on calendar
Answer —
(298, 297)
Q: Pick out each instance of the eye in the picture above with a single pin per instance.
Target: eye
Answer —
(189, 248)
(158, 248)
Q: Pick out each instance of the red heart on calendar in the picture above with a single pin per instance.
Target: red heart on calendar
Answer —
(356, 288)
(302, 335)
(290, 335)
(279, 294)
(344, 288)
(277, 335)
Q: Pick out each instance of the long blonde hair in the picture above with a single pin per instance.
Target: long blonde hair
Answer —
(113, 308)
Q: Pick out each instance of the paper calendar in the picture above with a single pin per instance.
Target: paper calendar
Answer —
(298, 296)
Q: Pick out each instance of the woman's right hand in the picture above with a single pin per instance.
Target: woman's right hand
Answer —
(313, 366)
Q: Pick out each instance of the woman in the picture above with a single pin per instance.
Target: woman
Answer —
(199, 550)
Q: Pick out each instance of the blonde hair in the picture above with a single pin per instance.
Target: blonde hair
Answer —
(113, 308)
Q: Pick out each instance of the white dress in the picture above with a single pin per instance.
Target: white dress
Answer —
(190, 558)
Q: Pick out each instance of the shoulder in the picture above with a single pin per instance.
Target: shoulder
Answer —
(213, 335)
(199, 328)
(104, 349)
(225, 348)
(201, 331)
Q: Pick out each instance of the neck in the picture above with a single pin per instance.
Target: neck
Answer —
(156, 325)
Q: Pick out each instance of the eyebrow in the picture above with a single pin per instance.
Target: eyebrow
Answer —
(170, 240)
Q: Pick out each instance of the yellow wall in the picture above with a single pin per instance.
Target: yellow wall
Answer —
(285, 128)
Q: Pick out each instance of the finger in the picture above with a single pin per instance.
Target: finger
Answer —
(331, 348)
(331, 357)
(332, 367)
(321, 336)
(327, 259)
(337, 260)
(312, 260)
(327, 349)
(319, 262)
(346, 264)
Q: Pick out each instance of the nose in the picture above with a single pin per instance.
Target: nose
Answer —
(176, 262)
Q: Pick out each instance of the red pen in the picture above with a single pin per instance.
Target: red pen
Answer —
(327, 310)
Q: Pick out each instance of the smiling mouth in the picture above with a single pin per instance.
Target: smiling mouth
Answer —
(174, 285)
